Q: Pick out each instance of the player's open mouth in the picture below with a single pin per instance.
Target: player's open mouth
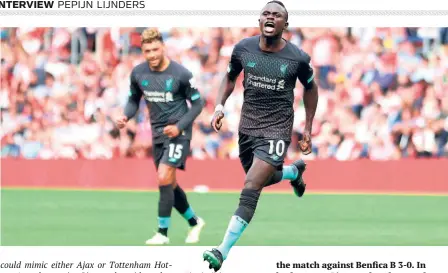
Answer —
(269, 27)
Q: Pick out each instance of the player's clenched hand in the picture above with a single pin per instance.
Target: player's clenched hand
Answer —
(121, 121)
(305, 144)
(171, 131)
(216, 122)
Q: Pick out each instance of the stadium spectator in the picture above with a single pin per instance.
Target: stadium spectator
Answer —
(383, 91)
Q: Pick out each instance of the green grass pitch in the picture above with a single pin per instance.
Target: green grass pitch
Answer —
(69, 217)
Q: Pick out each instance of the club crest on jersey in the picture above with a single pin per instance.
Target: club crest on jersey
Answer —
(169, 84)
(283, 69)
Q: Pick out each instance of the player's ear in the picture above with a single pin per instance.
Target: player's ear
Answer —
(286, 25)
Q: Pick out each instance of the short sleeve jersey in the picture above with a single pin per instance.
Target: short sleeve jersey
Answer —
(269, 82)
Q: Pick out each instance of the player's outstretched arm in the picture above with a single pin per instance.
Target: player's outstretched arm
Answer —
(310, 100)
(225, 90)
(233, 70)
(227, 86)
(132, 105)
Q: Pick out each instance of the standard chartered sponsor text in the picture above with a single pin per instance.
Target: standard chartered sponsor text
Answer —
(264, 82)
(158, 96)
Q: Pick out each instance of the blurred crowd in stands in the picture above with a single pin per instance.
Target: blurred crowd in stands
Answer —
(383, 91)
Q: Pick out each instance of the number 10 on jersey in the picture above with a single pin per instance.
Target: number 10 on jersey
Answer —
(276, 146)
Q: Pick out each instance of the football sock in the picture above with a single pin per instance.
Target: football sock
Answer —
(182, 206)
(240, 220)
(289, 173)
(166, 202)
(233, 233)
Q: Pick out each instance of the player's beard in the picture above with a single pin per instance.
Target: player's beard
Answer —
(156, 64)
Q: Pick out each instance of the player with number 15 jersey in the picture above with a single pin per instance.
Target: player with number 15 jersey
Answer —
(166, 86)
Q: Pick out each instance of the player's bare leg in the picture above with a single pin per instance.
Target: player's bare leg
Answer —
(293, 173)
(166, 176)
(256, 179)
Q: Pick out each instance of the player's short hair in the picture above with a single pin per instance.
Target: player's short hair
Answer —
(281, 4)
(150, 35)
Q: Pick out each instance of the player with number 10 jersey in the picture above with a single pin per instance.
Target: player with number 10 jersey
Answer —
(271, 68)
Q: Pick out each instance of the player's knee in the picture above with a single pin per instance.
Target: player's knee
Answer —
(166, 175)
(253, 184)
(164, 179)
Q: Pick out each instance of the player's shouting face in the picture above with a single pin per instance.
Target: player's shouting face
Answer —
(273, 20)
(154, 53)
